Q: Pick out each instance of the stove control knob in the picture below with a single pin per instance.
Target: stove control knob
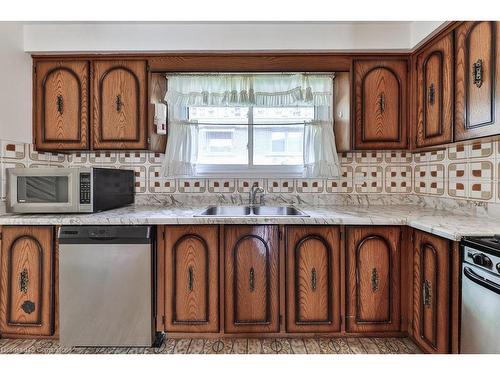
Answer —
(498, 267)
(482, 260)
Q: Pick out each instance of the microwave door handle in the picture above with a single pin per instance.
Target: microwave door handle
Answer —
(475, 278)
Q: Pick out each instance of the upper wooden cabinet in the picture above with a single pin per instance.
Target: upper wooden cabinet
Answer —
(435, 93)
(373, 279)
(477, 72)
(251, 278)
(431, 296)
(313, 279)
(380, 101)
(61, 120)
(191, 278)
(26, 283)
(120, 107)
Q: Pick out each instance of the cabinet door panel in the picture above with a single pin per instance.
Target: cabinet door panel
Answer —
(26, 294)
(191, 278)
(434, 93)
(61, 105)
(119, 105)
(477, 72)
(380, 104)
(373, 284)
(431, 292)
(251, 278)
(313, 279)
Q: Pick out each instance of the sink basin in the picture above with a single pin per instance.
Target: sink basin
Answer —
(238, 211)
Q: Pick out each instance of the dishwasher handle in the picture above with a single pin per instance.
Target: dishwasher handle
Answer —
(474, 277)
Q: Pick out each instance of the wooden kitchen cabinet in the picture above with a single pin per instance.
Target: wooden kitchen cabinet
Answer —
(120, 105)
(61, 101)
(380, 102)
(27, 281)
(191, 278)
(435, 94)
(373, 279)
(477, 72)
(313, 278)
(251, 278)
(431, 292)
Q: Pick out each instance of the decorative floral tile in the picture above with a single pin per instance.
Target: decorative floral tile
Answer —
(77, 158)
(480, 149)
(136, 157)
(346, 157)
(429, 179)
(310, 186)
(221, 186)
(481, 170)
(369, 157)
(369, 179)
(345, 184)
(45, 156)
(457, 152)
(102, 157)
(159, 184)
(140, 176)
(458, 188)
(192, 185)
(398, 157)
(481, 189)
(398, 179)
(156, 158)
(13, 150)
(420, 179)
(436, 155)
(280, 186)
(458, 171)
(244, 185)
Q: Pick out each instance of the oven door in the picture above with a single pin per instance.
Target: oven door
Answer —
(480, 325)
(42, 190)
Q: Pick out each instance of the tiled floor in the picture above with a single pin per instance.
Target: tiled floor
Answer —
(228, 346)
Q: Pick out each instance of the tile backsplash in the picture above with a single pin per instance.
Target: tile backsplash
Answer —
(465, 171)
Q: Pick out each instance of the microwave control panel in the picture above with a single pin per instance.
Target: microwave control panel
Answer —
(84, 188)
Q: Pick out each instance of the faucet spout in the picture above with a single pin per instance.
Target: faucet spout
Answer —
(254, 190)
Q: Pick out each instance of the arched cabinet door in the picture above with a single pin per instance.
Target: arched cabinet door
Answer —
(61, 105)
(477, 72)
(313, 279)
(119, 120)
(435, 93)
(251, 278)
(191, 278)
(380, 92)
(26, 287)
(431, 290)
(373, 279)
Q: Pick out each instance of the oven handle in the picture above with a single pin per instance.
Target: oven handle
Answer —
(474, 277)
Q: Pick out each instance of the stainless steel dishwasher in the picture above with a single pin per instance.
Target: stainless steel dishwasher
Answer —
(106, 286)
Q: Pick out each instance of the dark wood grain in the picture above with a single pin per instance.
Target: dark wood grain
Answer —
(61, 100)
(313, 278)
(251, 278)
(191, 282)
(27, 311)
(477, 110)
(380, 102)
(119, 107)
(373, 279)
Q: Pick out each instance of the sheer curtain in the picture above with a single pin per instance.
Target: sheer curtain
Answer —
(263, 90)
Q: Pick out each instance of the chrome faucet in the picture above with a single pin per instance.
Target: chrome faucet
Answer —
(254, 190)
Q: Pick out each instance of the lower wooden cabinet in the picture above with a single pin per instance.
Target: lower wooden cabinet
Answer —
(26, 281)
(192, 278)
(431, 292)
(251, 278)
(313, 278)
(373, 279)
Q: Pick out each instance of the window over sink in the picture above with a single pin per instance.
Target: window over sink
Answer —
(250, 125)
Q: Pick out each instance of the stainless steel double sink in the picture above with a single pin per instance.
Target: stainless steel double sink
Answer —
(239, 211)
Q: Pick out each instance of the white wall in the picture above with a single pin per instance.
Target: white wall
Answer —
(185, 36)
(15, 84)
(422, 29)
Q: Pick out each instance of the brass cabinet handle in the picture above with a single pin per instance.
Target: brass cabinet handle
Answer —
(427, 290)
(432, 94)
(60, 104)
(251, 279)
(374, 280)
(313, 279)
(477, 73)
(23, 281)
(190, 278)
(381, 103)
(119, 103)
